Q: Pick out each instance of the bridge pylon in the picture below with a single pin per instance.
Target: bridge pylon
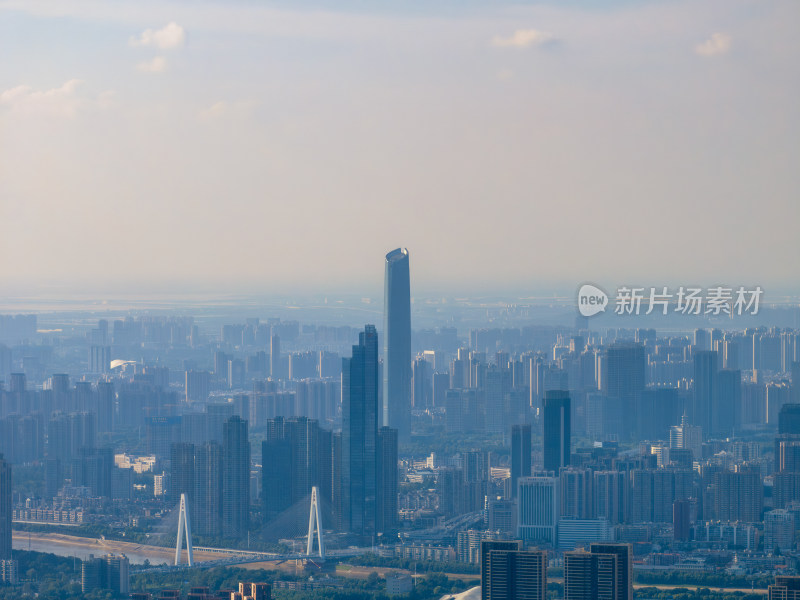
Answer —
(184, 529)
(315, 522)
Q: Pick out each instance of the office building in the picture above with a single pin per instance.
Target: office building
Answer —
(538, 508)
(236, 478)
(622, 381)
(573, 533)
(681, 520)
(359, 435)
(687, 436)
(704, 382)
(207, 500)
(397, 344)
(5, 509)
(520, 455)
(387, 480)
(556, 433)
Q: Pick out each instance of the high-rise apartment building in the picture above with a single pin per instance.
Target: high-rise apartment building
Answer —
(510, 573)
(397, 344)
(605, 572)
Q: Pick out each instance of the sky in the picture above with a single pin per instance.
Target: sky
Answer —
(274, 146)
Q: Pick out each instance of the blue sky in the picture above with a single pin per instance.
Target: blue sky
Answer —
(250, 145)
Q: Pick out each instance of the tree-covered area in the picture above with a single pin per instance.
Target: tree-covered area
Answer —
(711, 580)
(421, 566)
(48, 577)
(430, 587)
(687, 594)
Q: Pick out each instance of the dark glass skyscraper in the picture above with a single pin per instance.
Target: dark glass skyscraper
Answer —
(208, 497)
(557, 430)
(236, 478)
(5, 509)
(397, 344)
(704, 380)
(623, 383)
(520, 455)
(386, 518)
(359, 434)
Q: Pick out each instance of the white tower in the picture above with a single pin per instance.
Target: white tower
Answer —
(315, 519)
(184, 528)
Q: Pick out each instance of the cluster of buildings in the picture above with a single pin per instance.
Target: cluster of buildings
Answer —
(558, 436)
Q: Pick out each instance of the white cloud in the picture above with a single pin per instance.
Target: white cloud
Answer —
(170, 36)
(157, 65)
(718, 43)
(61, 101)
(524, 38)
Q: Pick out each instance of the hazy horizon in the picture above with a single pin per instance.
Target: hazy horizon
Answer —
(165, 147)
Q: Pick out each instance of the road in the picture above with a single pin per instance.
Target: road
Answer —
(70, 545)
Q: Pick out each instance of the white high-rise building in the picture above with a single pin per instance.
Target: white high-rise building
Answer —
(538, 508)
(687, 436)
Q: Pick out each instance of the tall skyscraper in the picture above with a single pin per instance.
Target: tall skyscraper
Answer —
(275, 357)
(557, 430)
(727, 402)
(206, 509)
(623, 382)
(296, 456)
(359, 435)
(236, 478)
(538, 508)
(5, 509)
(387, 475)
(397, 344)
(510, 573)
(704, 382)
(520, 455)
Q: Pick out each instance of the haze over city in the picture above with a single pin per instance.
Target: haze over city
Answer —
(368, 300)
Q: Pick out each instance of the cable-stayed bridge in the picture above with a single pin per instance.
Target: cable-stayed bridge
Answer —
(286, 521)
